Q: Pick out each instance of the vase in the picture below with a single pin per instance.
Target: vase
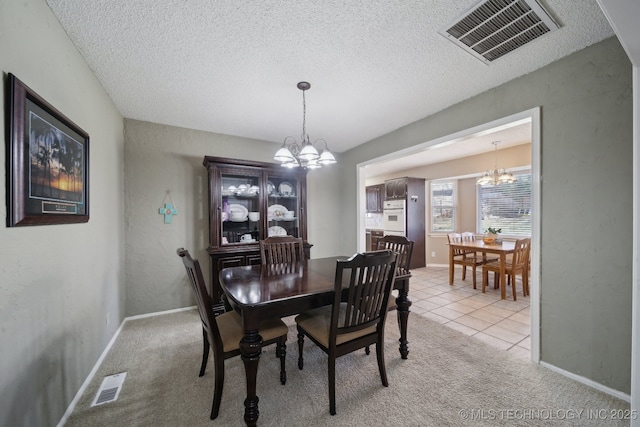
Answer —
(489, 238)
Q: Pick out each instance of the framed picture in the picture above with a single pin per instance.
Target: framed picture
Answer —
(47, 162)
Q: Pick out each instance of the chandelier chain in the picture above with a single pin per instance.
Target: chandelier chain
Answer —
(304, 117)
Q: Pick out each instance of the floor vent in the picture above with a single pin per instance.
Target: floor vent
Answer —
(110, 389)
(493, 28)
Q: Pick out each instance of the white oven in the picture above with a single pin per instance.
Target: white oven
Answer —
(394, 218)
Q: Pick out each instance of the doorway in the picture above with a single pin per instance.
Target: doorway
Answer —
(401, 161)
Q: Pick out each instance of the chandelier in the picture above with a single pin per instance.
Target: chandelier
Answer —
(496, 176)
(306, 154)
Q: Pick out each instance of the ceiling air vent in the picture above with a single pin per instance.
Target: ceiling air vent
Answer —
(493, 28)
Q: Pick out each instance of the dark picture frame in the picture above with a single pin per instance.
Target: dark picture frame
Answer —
(47, 162)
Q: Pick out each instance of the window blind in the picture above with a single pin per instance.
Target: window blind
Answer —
(506, 206)
(443, 206)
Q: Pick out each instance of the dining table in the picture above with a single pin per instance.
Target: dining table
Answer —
(501, 249)
(257, 292)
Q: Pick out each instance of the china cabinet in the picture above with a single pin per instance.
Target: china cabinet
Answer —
(249, 201)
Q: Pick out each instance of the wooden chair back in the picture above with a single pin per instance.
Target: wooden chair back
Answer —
(468, 236)
(456, 238)
(521, 254)
(203, 300)
(369, 280)
(403, 249)
(281, 250)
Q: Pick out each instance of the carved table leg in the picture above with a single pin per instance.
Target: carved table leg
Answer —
(251, 347)
(403, 302)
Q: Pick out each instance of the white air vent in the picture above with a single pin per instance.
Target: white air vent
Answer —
(110, 389)
(493, 28)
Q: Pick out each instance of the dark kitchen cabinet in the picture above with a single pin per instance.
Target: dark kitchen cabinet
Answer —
(249, 201)
(396, 188)
(375, 198)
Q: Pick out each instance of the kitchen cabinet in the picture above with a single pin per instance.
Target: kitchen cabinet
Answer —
(396, 188)
(376, 235)
(249, 201)
(375, 195)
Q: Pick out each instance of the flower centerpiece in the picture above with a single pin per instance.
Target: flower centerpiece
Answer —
(491, 236)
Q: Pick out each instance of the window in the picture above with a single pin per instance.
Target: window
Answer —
(506, 206)
(443, 206)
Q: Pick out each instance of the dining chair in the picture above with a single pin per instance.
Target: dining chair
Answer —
(281, 250)
(357, 316)
(224, 332)
(518, 264)
(403, 249)
(465, 258)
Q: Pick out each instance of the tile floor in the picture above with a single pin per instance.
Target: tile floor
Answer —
(504, 324)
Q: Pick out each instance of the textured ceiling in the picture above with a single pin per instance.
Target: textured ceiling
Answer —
(232, 66)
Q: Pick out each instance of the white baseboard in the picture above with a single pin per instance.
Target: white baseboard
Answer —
(586, 381)
(438, 265)
(86, 382)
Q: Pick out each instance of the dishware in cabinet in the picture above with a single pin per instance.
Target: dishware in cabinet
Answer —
(284, 212)
(238, 207)
(249, 201)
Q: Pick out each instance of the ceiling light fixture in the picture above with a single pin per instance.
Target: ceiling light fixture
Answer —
(496, 176)
(306, 154)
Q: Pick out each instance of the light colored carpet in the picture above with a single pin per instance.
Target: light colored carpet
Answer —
(448, 379)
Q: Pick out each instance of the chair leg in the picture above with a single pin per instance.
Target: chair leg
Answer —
(367, 350)
(473, 272)
(332, 384)
(513, 285)
(300, 346)
(281, 352)
(217, 388)
(464, 272)
(381, 366)
(485, 279)
(205, 352)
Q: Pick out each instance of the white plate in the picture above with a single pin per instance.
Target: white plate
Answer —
(276, 212)
(286, 219)
(276, 230)
(285, 189)
(238, 219)
(233, 207)
(270, 187)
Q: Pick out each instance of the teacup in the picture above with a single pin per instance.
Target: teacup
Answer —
(246, 238)
(289, 214)
(254, 216)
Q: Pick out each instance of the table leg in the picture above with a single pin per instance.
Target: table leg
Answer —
(251, 347)
(403, 302)
(503, 276)
(450, 265)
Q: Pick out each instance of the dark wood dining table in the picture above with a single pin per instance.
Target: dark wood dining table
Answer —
(502, 249)
(258, 292)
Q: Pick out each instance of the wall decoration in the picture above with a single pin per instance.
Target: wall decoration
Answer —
(168, 209)
(47, 162)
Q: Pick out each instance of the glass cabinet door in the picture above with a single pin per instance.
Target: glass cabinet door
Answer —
(283, 206)
(240, 208)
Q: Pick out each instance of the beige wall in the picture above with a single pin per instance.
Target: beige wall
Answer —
(62, 287)
(586, 134)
